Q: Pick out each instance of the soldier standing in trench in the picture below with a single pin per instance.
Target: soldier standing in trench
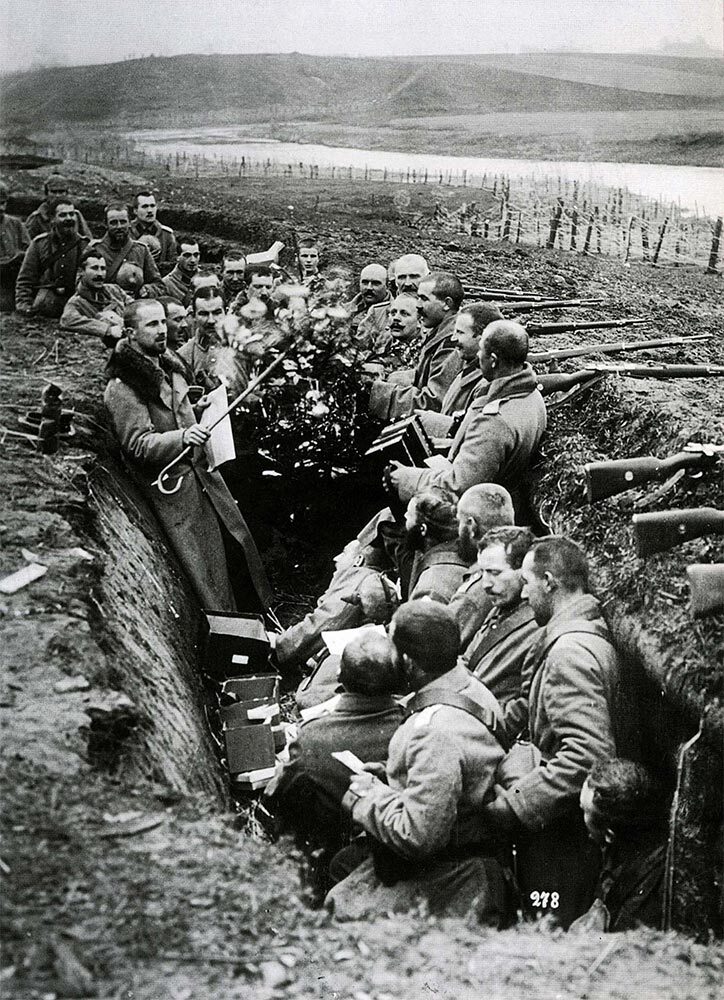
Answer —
(147, 398)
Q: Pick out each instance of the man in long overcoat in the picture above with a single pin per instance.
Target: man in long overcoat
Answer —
(147, 398)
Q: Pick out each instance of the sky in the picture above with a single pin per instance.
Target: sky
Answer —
(73, 32)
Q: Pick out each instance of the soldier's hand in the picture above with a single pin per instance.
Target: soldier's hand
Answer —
(194, 435)
(388, 476)
(499, 814)
(377, 770)
(361, 784)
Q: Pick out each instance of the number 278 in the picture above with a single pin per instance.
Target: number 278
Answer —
(544, 900)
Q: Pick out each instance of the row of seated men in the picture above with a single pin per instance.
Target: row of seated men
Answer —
(494, 711)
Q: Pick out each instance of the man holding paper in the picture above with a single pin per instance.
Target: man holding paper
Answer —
(423, 819)
(147, 399)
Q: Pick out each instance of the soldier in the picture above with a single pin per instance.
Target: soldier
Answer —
(500, 431)
(578, 714)
(372, 291)
(259, 288)
(14, 241)
(480, 509)
(177, 282)
(309, 258)
(199, 353)
(177, 323)
(147, 399)
(498, 651)
(97, 308)
(422, 822)
(233, 278)
(118, 249)
(47, 276)
(439, 298)
(397, 346)
(413, 268)
(469, 383)
(39, 221)
(145, 224)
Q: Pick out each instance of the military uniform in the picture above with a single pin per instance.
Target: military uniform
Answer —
(425, 387)
(470, 604)
(39, 222)
(497, 654)
(467, 385)
(178, 286)
(81, 311)
(47, 276)
(500, 432)
(436, 573)
(131, 252)
(165, 236)
(200, 355)
(578, 714)
(14, 241)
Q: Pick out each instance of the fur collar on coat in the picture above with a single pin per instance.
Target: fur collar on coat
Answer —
(140, 374)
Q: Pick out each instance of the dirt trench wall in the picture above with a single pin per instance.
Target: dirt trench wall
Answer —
(150, 628)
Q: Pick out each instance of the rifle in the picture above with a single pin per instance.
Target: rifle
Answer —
(660, 371)
(498, 294)
(606, 479)
(661, 530)
(614, 347)
(527, 306)
(706, 583)
(551, 329)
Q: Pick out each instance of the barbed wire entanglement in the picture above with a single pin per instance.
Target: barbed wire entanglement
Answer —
(541, 210)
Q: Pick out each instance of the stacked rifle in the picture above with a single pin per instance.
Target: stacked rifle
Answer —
(565, 386)
(659, 531)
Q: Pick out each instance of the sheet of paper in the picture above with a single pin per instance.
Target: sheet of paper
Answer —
(220, 446)
(336, 641)
(437, 463)
(349, 760)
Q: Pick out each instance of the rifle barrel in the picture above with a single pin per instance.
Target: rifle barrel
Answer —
(550, 329)
(613, 347)
(661, 371)
(480, 291)
(522, 307)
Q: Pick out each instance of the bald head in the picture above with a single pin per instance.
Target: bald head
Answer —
(410, 269)
(373, 283)
(366, 666)
(480, 509)
(503, 349)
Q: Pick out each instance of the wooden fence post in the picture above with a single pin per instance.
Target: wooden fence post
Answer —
(517, 232)
(555, 223)
(505, 216)
(574, 219)
(662, 233)
(627, 250)
(644, 236)
(715, 243)
(589, 232)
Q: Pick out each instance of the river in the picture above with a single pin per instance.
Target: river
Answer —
(700, 187)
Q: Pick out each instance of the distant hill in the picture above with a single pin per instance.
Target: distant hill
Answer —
(202, 89)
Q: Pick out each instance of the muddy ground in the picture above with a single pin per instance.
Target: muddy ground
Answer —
(194, 905)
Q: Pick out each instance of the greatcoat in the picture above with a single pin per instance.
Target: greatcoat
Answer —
(150, 409)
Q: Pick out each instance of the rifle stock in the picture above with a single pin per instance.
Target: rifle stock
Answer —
(548, 384)
(659, 531)
(706, 583)
(606, 479)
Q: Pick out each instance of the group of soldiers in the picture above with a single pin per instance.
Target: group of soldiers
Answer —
(494, 738)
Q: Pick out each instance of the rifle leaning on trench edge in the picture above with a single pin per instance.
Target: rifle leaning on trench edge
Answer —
(606, 479)
(552, 329)
(614, 347)
(574, 383)
(661, 530)
(526, 307)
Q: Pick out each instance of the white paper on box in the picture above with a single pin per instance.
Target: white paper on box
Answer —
(349, 760)
(437, 463)
(336, 641)
(220, 446)
(263, 712)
